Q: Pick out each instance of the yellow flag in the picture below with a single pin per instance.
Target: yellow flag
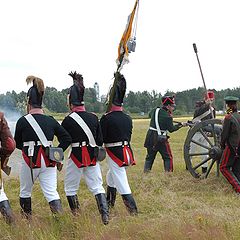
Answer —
(127, 43)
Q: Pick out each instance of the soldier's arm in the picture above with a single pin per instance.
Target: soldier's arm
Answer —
(7, 141)
(173, 127)
(99, 137)
(103, 127)
(18, 135)
(63, 136)
(225, 130)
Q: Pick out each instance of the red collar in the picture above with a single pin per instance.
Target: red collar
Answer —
(115, 108)
(36, 111)
(78, 109)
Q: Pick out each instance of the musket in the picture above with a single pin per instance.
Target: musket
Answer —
(200, 68)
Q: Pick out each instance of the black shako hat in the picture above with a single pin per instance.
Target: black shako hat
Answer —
(76, 91)
(168, 100)
(35, 93)
(120, 89)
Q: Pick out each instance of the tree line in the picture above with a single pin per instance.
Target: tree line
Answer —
(134, 102)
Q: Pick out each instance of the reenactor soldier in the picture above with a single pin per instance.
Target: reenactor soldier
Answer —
(34, 136)
(7, 147)
(86, 134)
(157, 136)
(203, 111)
(117, 130)
(230, 140)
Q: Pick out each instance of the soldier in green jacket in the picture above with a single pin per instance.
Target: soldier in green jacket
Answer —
(157, 136)
(230, 139)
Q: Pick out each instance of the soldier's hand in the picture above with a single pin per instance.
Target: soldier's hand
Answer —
(179, 125)
(184, 124)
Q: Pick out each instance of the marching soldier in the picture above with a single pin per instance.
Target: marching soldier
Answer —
(7, 147)
(117, 130)
(203, 111)
(34, 136)
(230, 143)
(157, 139)
(86, 135)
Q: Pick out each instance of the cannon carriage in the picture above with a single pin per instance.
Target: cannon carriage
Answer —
(202, 147)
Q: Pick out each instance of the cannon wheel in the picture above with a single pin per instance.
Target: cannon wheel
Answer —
(206, 151)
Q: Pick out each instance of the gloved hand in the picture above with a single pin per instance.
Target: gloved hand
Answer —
(180, 125)
(184, 124)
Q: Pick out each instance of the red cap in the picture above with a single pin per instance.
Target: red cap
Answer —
(209, 95)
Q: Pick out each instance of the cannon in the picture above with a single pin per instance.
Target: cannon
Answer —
(202, 145)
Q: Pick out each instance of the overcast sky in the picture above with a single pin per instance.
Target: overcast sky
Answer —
(50, 38)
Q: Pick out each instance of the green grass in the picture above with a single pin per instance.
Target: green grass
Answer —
(171, 206)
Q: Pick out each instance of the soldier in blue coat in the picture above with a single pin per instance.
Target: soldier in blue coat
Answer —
(36, 163)
(117, 131)
(86, 134)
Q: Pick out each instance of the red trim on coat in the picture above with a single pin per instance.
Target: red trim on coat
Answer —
(48, 162)
(86, 160)
(75, 160)
(123, 162)
(26, 159)
(41, 152)
(170, 155)
(132, 160)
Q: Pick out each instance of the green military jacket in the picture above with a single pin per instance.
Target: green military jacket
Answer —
(165, 121)
(231, 130)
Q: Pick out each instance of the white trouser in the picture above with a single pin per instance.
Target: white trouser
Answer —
(117, 177)
(198, 137)
(92, 176)
(3, 196)
(47, 177)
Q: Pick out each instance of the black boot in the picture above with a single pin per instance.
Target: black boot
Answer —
(6, 211)
(102, 207)
(73, 204)
(56, 206)
(26, 205)
(130, 204)
(147, 166)
(111, 196)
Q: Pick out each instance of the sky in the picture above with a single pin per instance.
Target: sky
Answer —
(50, 38)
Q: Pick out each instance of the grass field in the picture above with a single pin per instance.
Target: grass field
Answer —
(171, 206)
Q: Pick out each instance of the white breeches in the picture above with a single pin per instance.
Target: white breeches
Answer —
(117, 177)
(92, 176)
(198, 137)
(3, 196)
(47, 177)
